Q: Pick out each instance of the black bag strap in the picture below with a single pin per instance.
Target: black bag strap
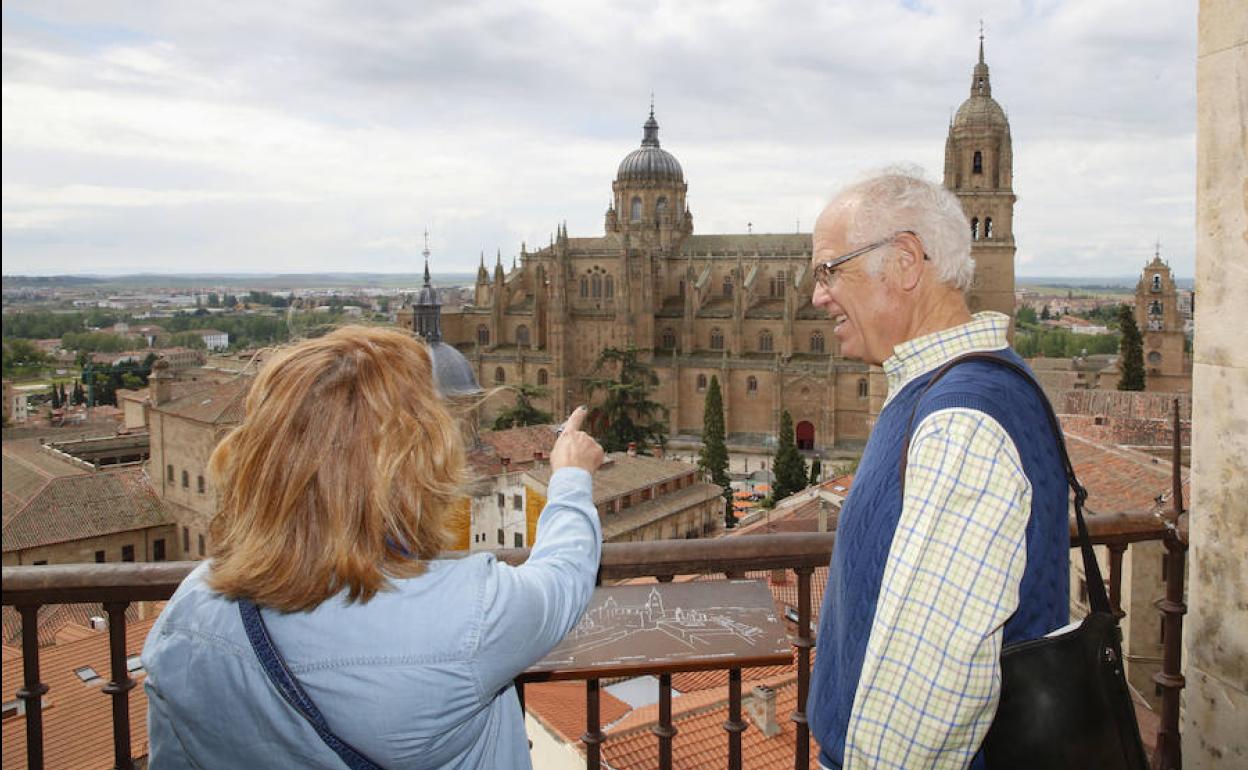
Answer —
(1097, 597)
(290, 689)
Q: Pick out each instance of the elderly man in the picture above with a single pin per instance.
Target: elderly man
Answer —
(929, 579)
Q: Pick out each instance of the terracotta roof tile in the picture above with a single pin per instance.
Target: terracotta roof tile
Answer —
(1119, 479)
(560, 706)
(218, 403)
(77, 717)
(626, 473)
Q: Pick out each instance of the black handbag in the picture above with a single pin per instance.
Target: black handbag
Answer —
(1064, 702)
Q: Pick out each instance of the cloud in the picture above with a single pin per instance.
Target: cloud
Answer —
(296, 136)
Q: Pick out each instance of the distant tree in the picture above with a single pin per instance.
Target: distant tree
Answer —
(79, 395)
(524, 412)
(214, 299)
(231, 301)
(788, 466)
(1044, 313)
(1026, 316)
(1130, 352)
(713, 458)
(64, 398)
(56, 397)
(816, 470)
(627, 414)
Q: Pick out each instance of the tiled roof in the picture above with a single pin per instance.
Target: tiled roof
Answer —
(625, 473)
(222, 403)
(55, 619)
(1119, 479)
(83, 506)
(561, 707)
(701, 742)
(77, 717)
(520, 444)
(641, 514)
(27, 470)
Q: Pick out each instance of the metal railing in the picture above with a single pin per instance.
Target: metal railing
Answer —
(117, 585)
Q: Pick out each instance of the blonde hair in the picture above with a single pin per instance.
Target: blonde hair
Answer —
(342, 475)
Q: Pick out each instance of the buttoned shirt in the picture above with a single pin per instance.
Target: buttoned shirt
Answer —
(930, 677)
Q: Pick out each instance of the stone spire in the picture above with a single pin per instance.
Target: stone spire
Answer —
(980, 84)
(428, 309)
(650, 136)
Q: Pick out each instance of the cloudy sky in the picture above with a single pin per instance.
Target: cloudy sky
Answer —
(326, 136)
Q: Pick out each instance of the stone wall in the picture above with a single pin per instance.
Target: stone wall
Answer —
(1215, 633)
(1122, 403)
(83, 551)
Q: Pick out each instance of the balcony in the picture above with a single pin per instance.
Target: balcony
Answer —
(115, 586)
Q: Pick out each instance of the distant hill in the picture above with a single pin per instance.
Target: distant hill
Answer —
(1093, 283)
(264, 281)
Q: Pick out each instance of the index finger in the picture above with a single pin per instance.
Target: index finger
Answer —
(576, 419)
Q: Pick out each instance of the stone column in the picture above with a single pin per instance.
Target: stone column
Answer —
(1215, 634)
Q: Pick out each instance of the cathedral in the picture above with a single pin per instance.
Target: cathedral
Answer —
(733, 306)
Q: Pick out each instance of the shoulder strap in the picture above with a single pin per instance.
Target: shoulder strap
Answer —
(290, 689)
(1097, 597)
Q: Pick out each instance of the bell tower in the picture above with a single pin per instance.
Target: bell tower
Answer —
(979, 169)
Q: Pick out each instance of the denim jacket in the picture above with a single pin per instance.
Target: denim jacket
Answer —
(419, 677)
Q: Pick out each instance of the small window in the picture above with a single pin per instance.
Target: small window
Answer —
(584, 286)
(1156, 283)
(127, 553)
(186, 540)
(500, 376)
(169, 473)
(862, 388)
(728, 286)
(158, 549)
(200, 486)
(660, 206)
(987, 227)
(701, 382)
(595, 285)
(522, 336)
(975, 229)
(99, 557)
(610, 287)
(765, 342)
(634, 213)
(517, 502)
(186, 479)
(519, 540)
(717, 339)
(1154, 357)
(483, 335)
(501, 539)
(201, 545)
(977, 163)
(751, 384)
(542, 377)
(669, 339)
(87, 674)
(816, 342)
(502, 501)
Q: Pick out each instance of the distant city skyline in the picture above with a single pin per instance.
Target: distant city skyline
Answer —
(272, 139)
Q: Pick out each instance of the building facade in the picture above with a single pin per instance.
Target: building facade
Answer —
(1167, 365)
(736, 306)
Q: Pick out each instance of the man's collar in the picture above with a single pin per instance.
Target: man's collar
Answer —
(985, 331)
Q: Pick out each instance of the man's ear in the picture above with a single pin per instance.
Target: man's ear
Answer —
(910, 260)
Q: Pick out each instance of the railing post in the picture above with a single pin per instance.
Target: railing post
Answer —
(664, 729)
(33, 690)
(1116, 550)
(1169, 751)
(803, 643)
(735, 726)
(120, 685)
(593, 736)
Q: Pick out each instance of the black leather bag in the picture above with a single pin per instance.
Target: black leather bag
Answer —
(1064, 698)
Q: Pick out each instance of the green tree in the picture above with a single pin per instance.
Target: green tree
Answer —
(1044, 313)
(627, 414)
(56, 397)
(79, 395)
(524, 412)
(788, 466)
(816, 470)
(1130, 351)
(1026, 316)
(22, 358)
(713, 459)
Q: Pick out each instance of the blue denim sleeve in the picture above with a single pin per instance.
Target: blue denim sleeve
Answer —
(528, 609)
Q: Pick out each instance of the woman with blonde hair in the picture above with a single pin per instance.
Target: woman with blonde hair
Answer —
(325, 631)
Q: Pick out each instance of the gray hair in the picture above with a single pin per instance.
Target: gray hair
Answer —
(900, 199)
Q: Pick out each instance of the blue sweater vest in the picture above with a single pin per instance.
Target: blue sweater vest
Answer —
(864, 533)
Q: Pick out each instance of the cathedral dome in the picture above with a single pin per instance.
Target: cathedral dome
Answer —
(980, 110)
(650, 162)
(451, 371)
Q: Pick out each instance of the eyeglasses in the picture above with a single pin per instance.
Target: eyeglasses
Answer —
(825, 272)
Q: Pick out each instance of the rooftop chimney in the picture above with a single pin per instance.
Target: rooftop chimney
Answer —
(761, 708)
(161, 382)
(632, 449)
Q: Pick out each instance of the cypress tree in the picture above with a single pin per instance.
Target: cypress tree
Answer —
(816, 470)
(713, 459)
(56, 398)
(788, 466)
(1130, 351)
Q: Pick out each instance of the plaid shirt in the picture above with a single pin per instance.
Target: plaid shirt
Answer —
(931, 675)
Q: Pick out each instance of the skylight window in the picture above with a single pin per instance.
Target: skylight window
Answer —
(87, 674)
(134, 663)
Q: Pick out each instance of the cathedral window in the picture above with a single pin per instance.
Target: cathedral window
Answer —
(595, 283)
(610, 287)
(542, 377)
(728, 286)
(987, 227)
(1154, 357)
(751, 384)
(522, 335)
(483, 335)
(975, 229)
(660, 207)
(1156, 283)
(634, 213)
(816, 342)
(584, 286)
(669, 339)
(717, 339)
(862, 388)
(500, 376)
(1154, 308)
(701, 382)
(977, 163)
(186, 480)
(764, 341)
